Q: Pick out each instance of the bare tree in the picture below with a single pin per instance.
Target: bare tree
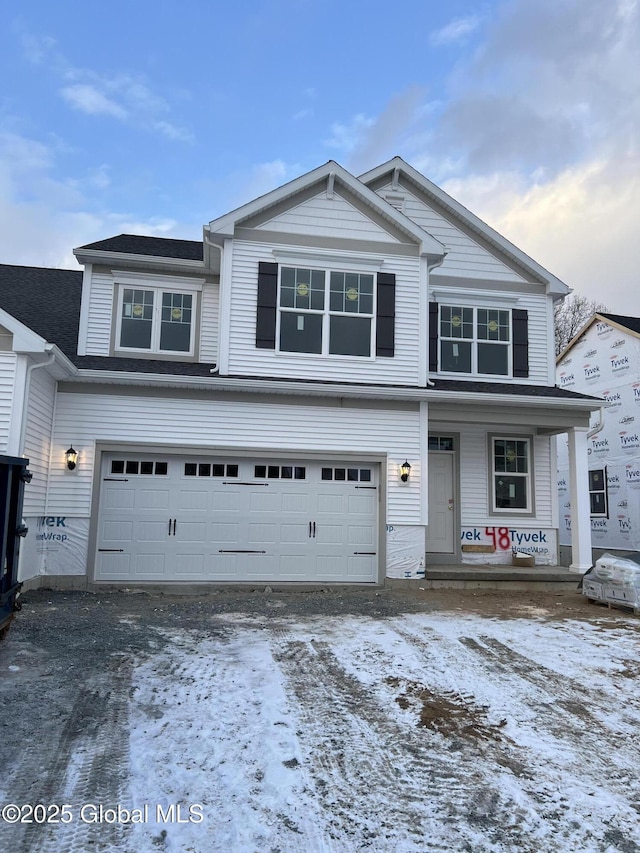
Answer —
(570, 315)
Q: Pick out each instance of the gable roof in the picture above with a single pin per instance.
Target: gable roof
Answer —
(47, 301)
(329, 172)
(397, 166)
(157, 247)
(631, 325)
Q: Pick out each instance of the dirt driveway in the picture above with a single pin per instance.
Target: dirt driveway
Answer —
(332, 721)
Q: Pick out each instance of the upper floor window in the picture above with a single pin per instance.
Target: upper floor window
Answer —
(156, 320)
(475, 340)
(326, 312)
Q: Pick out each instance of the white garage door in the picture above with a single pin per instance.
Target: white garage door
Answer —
(165, 518)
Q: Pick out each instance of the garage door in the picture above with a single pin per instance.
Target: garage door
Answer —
(165, 518)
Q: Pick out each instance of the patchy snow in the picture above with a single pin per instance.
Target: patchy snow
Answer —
(421, 732)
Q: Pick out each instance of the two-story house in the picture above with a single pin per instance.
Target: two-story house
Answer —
(603, 359)
(344, 379)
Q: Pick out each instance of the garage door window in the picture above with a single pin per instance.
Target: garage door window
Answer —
(280, 472)
(209, 469)
(351, 475)
(135, 466)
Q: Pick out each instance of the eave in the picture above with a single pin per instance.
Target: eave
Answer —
(321, 389)
(94, 256)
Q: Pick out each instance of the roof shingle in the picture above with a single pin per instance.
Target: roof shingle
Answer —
(159, 247)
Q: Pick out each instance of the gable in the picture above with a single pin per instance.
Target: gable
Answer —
(331, 216)
(333, 182)
(468, 256)
(400, 183)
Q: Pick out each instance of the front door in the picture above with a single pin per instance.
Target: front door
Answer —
(442, 509)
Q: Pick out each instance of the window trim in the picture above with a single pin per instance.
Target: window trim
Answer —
(158, 289)
(475, 340)
(326, 313)
(604, 491)
(529, 510)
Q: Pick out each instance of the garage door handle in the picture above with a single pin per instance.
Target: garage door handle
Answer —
(174, 526)
(314, 530)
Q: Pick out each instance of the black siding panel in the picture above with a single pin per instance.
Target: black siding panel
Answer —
(520, 325)
(386, 315)
(433, 337)
(266, 305)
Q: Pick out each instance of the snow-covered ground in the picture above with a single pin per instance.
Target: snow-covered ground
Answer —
(280, 724)
(442, 731)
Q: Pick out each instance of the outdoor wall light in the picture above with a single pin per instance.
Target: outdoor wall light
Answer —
(72, 457)
(405, 470)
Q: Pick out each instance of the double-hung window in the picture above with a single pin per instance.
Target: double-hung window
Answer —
(155, 320)
(598, 498)
(511, 474)
(475, 340)
(326, 312)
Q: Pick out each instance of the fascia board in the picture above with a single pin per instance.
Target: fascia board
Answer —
(585, 328)
(320, 390)
(515, 400)
(581, 331)
(95, 256)
(555, 286)
(25, 340)
(226, 224)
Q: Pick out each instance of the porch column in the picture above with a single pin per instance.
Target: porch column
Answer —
(581, 558)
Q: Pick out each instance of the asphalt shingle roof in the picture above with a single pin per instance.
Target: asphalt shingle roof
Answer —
(632, 323)
(45, 300)
(159, 247)
(48, 302)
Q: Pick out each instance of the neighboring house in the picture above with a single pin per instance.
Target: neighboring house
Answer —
(604, 359)
(242, 406)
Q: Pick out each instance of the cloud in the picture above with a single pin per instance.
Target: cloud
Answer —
(379, 139)
(31, 195)
(89, 100)
(455, 31)
(125, 97)
(345, 137)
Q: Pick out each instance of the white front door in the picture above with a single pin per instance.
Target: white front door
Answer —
(442, 509)
(169, 518)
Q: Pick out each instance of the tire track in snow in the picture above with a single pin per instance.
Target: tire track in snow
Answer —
(87, 764)
(544, 787)
(383, 784)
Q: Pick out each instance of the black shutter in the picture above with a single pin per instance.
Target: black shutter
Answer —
(267, 304)
(520, 326)
(433, 337)
(386, 315)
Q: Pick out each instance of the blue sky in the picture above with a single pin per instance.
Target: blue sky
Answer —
(156, 117)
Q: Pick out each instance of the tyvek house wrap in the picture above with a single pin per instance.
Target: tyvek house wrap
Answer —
(605, 362)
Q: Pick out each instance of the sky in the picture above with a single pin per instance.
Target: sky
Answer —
(154, 118)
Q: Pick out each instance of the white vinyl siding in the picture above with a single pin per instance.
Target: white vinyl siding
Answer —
(209, 323)
(7, 380)
(327, 217)
(245, 359)
(181, 423)
(536, 306)
(475, 480)
(37, 442)
(466, 257)
(100, 314)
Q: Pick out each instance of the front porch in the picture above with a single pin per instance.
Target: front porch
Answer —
(538, 578)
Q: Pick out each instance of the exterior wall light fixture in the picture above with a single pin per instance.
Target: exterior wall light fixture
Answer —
(72, 457)
(405, 470)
